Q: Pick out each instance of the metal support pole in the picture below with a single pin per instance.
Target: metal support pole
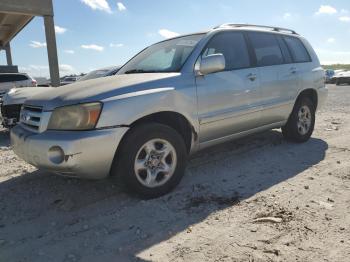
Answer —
(52, 50)
(8, 54)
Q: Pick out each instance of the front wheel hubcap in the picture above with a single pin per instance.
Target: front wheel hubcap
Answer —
(304, 120)
(155, 163)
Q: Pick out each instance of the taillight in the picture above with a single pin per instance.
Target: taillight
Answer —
(34, 83)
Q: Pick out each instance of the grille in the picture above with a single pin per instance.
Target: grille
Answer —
(30, 117)
(11, 111)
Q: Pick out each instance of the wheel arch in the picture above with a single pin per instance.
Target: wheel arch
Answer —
(309, 93)
(174, 120)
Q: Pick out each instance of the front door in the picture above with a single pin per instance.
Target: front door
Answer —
(228, 101)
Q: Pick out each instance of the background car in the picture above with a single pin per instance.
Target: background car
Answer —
(69, 80)
(329, 73)
(14, 99)
(103, 72)
(337, 73)
(343, 78)
(14, 80)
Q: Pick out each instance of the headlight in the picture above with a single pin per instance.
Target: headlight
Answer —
(76, 117)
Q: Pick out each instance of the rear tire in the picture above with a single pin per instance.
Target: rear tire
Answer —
(151, 160)
(301, 122)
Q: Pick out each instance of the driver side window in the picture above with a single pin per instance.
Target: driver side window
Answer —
(232, 46)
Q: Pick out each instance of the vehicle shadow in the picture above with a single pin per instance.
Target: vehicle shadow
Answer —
(49, 218)
(4, 137)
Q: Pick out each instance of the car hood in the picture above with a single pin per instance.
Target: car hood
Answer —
(101, 88)
(19, 95)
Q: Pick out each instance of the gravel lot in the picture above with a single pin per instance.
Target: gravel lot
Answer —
(212, 216)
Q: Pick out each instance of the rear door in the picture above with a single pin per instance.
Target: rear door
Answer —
(228, 101)
(302, 63)
(278, 75)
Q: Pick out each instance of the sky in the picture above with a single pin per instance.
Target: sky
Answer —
(92, 34)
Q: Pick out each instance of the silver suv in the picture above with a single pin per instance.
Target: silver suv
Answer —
(172, 99)
(13, 80)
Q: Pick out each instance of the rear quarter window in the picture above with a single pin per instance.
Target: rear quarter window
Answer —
(297, 49)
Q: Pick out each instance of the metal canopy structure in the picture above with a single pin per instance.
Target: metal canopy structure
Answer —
(15, 15)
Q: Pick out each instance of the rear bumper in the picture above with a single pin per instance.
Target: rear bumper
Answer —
(83, 154)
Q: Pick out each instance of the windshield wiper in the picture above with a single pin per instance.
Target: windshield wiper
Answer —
(140, 71)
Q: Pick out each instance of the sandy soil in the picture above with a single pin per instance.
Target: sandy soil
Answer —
(211, 216)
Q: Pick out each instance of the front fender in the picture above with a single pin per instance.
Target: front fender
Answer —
(127, 108)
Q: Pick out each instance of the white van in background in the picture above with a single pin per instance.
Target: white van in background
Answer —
(12, 80)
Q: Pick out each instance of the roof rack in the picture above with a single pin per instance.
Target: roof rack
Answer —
(273, 28)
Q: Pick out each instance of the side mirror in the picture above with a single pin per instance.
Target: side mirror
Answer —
(212, 64)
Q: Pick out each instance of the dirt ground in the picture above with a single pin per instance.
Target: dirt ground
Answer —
(211, 216)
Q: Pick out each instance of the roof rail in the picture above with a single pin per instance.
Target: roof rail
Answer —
(273, 28)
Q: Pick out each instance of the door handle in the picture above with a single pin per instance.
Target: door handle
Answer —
(293, 70)
(251, 77)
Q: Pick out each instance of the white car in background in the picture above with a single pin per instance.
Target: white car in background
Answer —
(14, 80)
(342, 78)
(69, 80)
(14, 99)
(337, 73)
(103, 72)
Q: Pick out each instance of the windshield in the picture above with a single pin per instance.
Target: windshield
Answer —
(166, 56)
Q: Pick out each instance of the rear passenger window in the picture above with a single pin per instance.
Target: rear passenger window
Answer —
(4, 78)
(298, 50)
(233, 46)
(20, 77)
(12, 78)
(286, 54)
(266, 48)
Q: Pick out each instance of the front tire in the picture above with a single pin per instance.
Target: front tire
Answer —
(301, 122)
(151, 160)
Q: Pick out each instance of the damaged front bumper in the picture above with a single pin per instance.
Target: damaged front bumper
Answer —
(83, 154)
(9, 122)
